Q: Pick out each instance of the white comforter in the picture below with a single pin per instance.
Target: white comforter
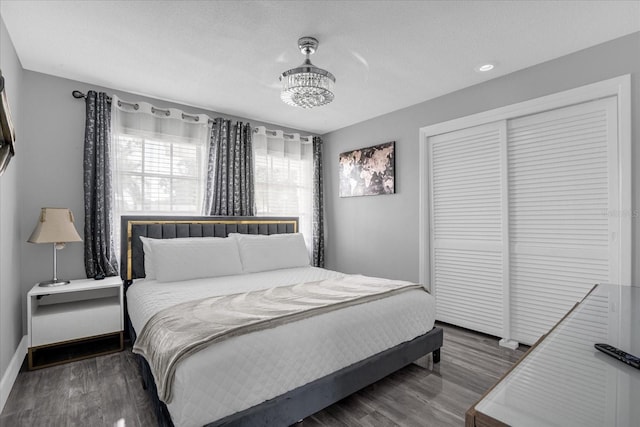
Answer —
(247, 370)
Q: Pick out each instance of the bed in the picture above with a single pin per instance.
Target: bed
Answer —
(273, 375)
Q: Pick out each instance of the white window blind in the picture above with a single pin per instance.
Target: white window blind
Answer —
(284, 177)
(158, 176)
(467, 227)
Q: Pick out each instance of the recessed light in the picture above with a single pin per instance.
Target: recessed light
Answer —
(485, 67)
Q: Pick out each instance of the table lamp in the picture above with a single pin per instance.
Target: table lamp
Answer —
(55, 226)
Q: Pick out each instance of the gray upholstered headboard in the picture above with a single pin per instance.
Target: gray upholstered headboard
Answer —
(170, 227)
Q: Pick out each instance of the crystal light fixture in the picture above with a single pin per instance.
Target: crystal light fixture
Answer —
(307, 86)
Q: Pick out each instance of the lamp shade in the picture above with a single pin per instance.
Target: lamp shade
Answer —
(55, 226)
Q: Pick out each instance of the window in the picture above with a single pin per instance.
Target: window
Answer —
(159, 166)
(158, 177)
(158, 161)
(284, 177)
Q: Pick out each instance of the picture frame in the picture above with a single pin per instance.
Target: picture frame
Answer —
(368, 171)
(7, 131)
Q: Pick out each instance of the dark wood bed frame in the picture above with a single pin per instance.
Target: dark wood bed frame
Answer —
(296, 404)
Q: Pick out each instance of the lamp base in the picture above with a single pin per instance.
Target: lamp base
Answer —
(54, 283)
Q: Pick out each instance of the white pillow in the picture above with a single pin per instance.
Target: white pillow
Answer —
(149, 268)
(264, 253)
(194, 258)
(147, 248)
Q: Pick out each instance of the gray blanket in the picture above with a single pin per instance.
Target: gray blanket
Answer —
(176, 332)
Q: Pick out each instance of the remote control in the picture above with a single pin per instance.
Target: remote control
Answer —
(612, 351)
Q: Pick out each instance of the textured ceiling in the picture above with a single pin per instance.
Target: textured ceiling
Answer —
(226, 56)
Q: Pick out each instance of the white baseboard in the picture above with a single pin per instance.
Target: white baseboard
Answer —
(10, 375)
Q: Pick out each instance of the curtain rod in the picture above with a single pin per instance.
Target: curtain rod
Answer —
(79, 95)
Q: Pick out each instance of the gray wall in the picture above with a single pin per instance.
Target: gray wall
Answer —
(10, 296)
(377, 235)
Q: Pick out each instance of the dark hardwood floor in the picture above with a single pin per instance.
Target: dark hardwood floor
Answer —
(103, 390)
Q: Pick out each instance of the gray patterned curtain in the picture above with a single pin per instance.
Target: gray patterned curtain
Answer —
(230, 188)
(99, 254)
(318, 204)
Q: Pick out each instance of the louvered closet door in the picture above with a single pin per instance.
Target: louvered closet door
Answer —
(562, 186)
(466, 227)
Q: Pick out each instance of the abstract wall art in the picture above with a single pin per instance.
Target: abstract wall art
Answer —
(368, 171)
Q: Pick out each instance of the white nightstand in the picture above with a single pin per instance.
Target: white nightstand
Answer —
(85, 309)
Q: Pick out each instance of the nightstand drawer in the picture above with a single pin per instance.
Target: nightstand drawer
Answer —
(72, 320)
